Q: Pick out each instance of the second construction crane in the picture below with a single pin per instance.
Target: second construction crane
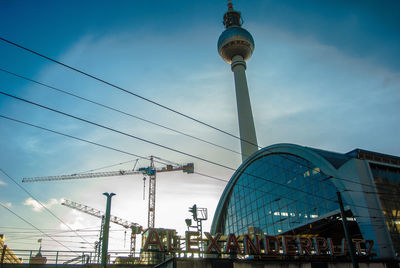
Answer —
(134, 227)
(149, 171)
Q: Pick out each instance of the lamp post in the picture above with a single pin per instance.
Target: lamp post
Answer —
(347, 231)
(104, 250)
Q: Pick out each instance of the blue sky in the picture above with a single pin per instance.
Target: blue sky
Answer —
(323, 74)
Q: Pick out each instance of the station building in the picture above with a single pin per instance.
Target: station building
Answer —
(287, 189)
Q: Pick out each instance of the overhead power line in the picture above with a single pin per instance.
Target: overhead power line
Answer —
(125, 90)
(128, 153)
(40, 203)
(165, 147)
(137, 95)
(159, 125)
(24, 220)
(152, 143)
(119, 111)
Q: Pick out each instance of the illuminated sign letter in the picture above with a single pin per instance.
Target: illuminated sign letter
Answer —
(192, 242)
(171, 238)
(288, 246)
(152, 239)
(344, 250)
(250, 246)
(212, 243)
(358, 241)
(320, 244)
(370, 246)
(232, 245)
(267, 245)
(304, 244)
(333, 248)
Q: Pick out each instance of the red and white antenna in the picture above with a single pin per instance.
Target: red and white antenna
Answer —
(230, 5)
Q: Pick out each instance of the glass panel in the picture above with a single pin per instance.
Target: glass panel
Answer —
(387, 181)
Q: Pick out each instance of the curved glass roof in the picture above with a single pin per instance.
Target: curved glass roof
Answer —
(276, 193)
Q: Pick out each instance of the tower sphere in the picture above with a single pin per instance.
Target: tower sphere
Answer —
(235, 41)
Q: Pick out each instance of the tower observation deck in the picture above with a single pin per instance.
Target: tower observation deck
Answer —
(235, 46)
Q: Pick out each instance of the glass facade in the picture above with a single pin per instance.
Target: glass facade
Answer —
(387, 181)
(275, 193)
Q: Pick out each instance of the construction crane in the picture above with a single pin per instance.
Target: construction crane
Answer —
(134, 227)
(149, 171)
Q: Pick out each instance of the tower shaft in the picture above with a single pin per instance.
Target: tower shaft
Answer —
(248, 139)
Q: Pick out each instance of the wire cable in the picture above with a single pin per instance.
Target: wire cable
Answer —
(21, 218)
(286, 196)
(150, 122)
(119, 111)
(150, 142)
(40, 203)
(125, 90)
(134, 94)
(128, 153)
(296, 189)
(114, 165)
(202, 174)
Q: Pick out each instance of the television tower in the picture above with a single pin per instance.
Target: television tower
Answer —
(235, 45)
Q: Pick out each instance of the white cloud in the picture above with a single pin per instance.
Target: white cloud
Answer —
(36, 206)
(2, 183)
(8, 204)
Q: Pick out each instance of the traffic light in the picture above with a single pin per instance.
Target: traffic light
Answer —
(188, 222)
(193, 210)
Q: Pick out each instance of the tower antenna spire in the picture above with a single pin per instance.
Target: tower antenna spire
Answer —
(232, 17)
(230, 5)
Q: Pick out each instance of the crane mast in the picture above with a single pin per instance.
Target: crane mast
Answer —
(134, 227)
(152, 196)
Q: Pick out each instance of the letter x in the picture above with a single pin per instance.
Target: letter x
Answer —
(213, 242)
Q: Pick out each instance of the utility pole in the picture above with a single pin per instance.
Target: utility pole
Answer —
(347, 232)
(104, 251)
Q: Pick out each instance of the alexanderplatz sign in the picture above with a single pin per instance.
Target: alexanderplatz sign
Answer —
(167, 241)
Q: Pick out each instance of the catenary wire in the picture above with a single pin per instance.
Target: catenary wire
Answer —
(129, 92)
(146, 158)
(121, 151)
(114, 109)
(119, 111)
(148, 121)
(50, 229)
(110, 84)
(128, 153)
(294, 200)
(76, 138)
(24, 220)
(144, 140)
(296, 189)
(125, 90)
(40, 203)
(148, 141)
(309, 167)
